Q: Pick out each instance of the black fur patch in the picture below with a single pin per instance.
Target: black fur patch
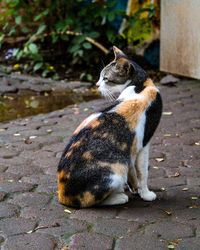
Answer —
(153, 115)
(103, 142)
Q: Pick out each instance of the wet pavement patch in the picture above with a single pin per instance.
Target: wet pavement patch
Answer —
(28, 103)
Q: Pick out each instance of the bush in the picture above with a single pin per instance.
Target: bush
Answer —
(72, 32)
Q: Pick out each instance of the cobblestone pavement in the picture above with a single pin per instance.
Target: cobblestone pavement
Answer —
(15, 83)
(32, 218)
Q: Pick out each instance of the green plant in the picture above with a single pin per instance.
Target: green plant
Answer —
(139, 26)
(71, 32)
(71, 27)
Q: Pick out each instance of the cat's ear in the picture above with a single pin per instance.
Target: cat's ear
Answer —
(118, 53)
(124, 66)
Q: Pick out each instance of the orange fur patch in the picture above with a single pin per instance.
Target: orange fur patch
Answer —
(134, 149)
(104, 135)
(132, 109)
(72, 147)
(68, 154)
(81, 126)
(117, 168)
(88, 199)
(62, 178)
(149, 82)
(87, 155)
(76, 144)
(94, 123)
(123, 146)
(121, 61)
(132, 178)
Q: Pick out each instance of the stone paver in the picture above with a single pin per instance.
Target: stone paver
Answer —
(32, 218)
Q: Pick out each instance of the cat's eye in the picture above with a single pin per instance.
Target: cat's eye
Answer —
(113, 63)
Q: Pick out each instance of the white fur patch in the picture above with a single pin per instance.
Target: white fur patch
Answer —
(115, 199)
(139, 130)
(91, 118)
(110, 91)
(119, 88)
(118, 182)
(128, 94)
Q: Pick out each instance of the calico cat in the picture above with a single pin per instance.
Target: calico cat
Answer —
(110, 149)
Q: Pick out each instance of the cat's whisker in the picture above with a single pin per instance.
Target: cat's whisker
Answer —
(108, 96)
(112, 97)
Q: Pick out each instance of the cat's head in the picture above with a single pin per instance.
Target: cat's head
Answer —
(119, 74)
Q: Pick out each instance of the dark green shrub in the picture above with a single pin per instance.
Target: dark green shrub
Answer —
(72, 32)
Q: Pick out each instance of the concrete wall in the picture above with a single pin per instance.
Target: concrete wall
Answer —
(180, 37)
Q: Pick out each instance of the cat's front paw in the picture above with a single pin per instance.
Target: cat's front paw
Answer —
(147, 195)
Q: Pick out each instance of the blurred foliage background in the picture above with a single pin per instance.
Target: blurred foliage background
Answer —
(55, 38)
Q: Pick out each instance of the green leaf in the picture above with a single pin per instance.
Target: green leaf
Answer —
(41, 28)
(79, 39)
(93, 34)
(12, 31)
(33, 48)
(87, 45)
(1, 37)
(37, 66)
(74, 48)
(42, 14)
(111, 16)
(19, 54)
(25, 30)
(15, 52)
(18, 20)
(45, 73)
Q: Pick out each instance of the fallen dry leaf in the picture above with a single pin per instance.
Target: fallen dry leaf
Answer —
(67, 211)
(194, 198)
(168, 212)
(32, 136)
(194, 206)
(167, 113)
(49, 130)
(27, 141)
(167, 135)
(159, 159)
(170, 246)
(30, 232)
(64, 248)
(177, 174)
(184, 163)
(17, 134)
